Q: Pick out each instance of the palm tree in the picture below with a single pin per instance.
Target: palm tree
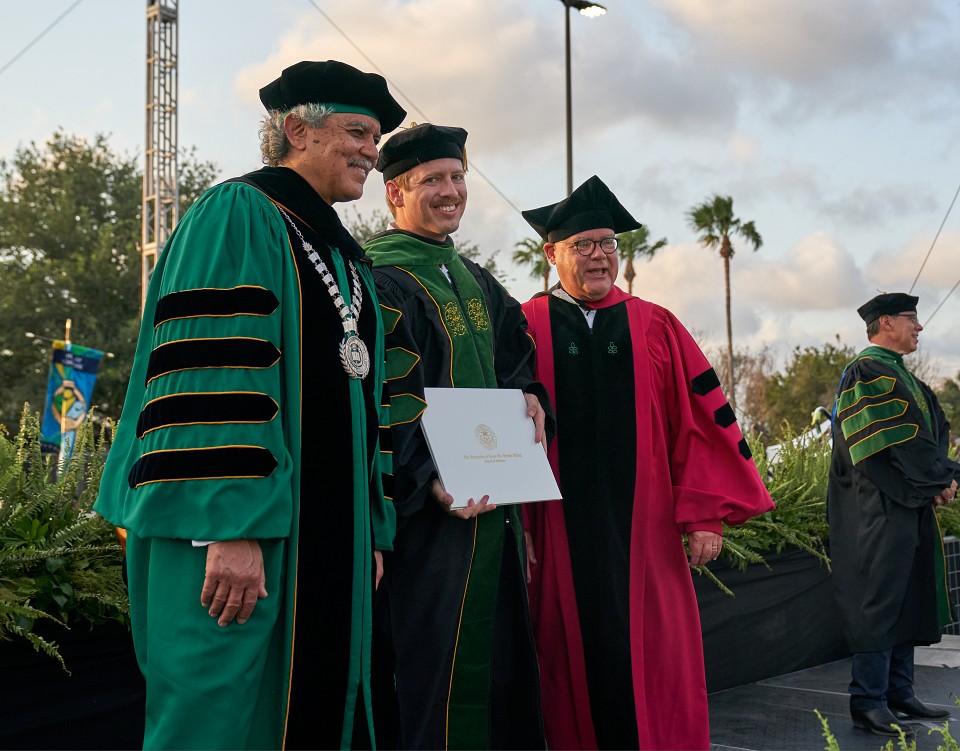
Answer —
(529, 252)
(714, 222)
(634, 245)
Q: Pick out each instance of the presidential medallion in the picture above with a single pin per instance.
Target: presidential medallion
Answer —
(354, 356)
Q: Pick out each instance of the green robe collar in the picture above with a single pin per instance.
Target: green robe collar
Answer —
(895, 361)
(460, 303)
(397, 247)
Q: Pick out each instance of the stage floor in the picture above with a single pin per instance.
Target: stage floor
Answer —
(777, 714)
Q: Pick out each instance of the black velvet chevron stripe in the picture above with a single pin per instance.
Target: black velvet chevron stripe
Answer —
(216, 463)
(233, 352)
(724, 417)
(386, 439)
(238, 301)
(387, 480)
(206, 408)
(744, 447)
(706, 382)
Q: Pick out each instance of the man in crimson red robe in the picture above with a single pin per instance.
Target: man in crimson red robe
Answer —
(647, 450)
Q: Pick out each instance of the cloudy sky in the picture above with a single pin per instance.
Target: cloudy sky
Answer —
(835, 127)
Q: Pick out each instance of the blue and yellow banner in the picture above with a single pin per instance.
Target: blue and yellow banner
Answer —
(73, 371)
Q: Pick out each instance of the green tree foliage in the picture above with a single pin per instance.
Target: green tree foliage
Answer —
(364, 226)
(69, 248)
(635, 245)
(529, 252)
(752, 371)
(715, 223)
(809, 381)
(949, 396)
(471, 250)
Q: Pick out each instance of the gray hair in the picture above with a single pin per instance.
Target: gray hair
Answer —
(873, 328)
(273, 139)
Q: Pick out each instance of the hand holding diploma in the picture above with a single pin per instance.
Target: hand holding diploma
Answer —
(486, 439)
(469, 511)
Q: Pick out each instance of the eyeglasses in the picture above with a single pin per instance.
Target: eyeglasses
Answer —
(912, 317)
(585, 247)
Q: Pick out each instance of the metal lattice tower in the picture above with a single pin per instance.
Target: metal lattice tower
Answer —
(160, 184)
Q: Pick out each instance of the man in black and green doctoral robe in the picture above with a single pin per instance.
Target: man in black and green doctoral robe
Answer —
(889, 471)
(246, 466)
(453, 603)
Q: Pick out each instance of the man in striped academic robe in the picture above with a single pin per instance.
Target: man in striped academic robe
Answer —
(889, 470)
(246, 465)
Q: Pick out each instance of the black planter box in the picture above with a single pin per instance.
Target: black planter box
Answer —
(99, 706)
(782, 618)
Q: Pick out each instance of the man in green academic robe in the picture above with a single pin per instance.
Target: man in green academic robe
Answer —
(246, 468)
(888, 473)
(457, 647)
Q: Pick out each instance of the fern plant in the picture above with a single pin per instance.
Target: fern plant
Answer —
(60, 562)
(797, 482)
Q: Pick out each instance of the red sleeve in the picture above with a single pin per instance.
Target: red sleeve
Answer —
(712, 471)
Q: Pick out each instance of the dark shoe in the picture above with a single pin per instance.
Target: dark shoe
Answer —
(917, 710)
(879, 721)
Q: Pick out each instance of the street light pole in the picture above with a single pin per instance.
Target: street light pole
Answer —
(591, 10)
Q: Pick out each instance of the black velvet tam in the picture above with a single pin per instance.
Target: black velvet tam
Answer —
(590, 206)
(887, 304)
(333, 82)
(419, 144)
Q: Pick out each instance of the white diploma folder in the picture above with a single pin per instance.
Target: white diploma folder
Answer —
(482, 443)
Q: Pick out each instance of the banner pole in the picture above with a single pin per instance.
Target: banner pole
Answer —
(61, 460)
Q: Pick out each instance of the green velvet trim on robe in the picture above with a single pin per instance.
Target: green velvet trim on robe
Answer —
(461, 304)
(462, 309)
(887, 413)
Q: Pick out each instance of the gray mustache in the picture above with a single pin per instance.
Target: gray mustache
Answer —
(359, 162)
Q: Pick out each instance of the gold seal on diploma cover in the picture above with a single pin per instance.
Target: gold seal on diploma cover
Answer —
(486, 437)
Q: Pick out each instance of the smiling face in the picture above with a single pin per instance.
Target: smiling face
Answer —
(900, 332)
(336, 158)
(431, 199)
(588, 278)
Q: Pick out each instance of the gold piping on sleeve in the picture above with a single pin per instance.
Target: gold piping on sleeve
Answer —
(867, 396)
(412, 365)
(439, 316)
(222, 367)
(915, 427)
(874, 422)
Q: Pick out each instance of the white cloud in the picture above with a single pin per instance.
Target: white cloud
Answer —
(815, 274)
(895, 269)
(799, 42)
(485, 78)
(688, 280)
(742, 148)
(832, 124)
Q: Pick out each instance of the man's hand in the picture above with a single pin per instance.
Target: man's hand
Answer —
(472, 508)
(378, 562)
(234, 580)
(536, 413)
(531, 555)
(947, 494)
(704, 546)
